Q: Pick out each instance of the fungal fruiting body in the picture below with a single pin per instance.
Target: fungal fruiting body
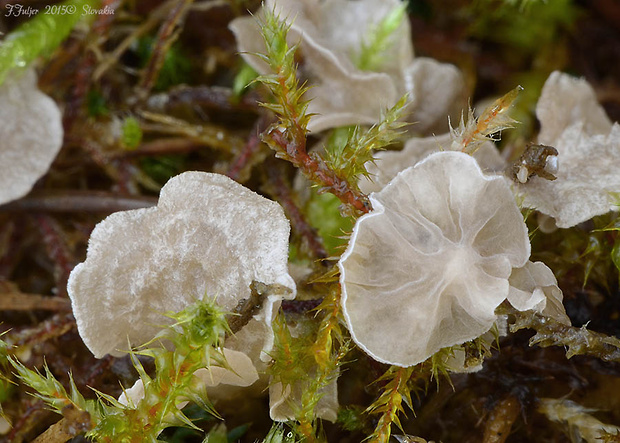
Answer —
(332, 37)
(427, 268)
(585, 166)
(208, 236)
(31, 134)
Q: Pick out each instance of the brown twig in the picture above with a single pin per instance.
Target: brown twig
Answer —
(125, 182)
(210, 135)
(19, 301)
(57, 249)
(168, 33)
(55, 326)
(239, 169)
(95, 150)
(209, 97)
(247, 308)
(500, 421)
(34, 412)
(172, 145)
(78, 201)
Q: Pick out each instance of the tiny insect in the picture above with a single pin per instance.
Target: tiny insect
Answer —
(540, 160)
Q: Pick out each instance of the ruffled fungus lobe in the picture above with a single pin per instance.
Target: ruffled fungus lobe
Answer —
(208, 236)
(535, 287)
(429, 265)
(588, 145)
(30, 137)
(331, 36)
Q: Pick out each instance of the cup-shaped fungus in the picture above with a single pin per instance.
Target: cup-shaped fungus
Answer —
(588, 146)
(208, 237)
(31, 134)
(427, 268)
(358, 58)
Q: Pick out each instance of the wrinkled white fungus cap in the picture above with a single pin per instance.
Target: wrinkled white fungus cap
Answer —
(330, 34)
(439, 95)
(208, 236)
(388, 164)
(588, 144)
(429, 265)
(30, 136)
(564, 101)
(535, 287)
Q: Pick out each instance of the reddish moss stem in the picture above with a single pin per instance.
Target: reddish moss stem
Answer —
(243, 162)
(314, 168)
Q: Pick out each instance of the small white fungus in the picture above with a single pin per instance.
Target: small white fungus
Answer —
(331, 35)
(588, 168)
(31, 134)
(208, 236)
(427, 268)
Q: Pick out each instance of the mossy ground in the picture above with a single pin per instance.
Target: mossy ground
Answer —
(182, 96)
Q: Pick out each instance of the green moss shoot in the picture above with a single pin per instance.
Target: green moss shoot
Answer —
(379, 39)
(195, 336)
(39, 36)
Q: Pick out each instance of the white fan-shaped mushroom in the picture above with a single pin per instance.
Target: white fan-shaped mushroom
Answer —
(330, 35)
(429, 265)
(439, 94)
(588, 145)
(30, 136)
(207, 236)
(564, 101)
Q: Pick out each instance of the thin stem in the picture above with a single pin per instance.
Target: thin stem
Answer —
(166, 36)
(78, 201)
